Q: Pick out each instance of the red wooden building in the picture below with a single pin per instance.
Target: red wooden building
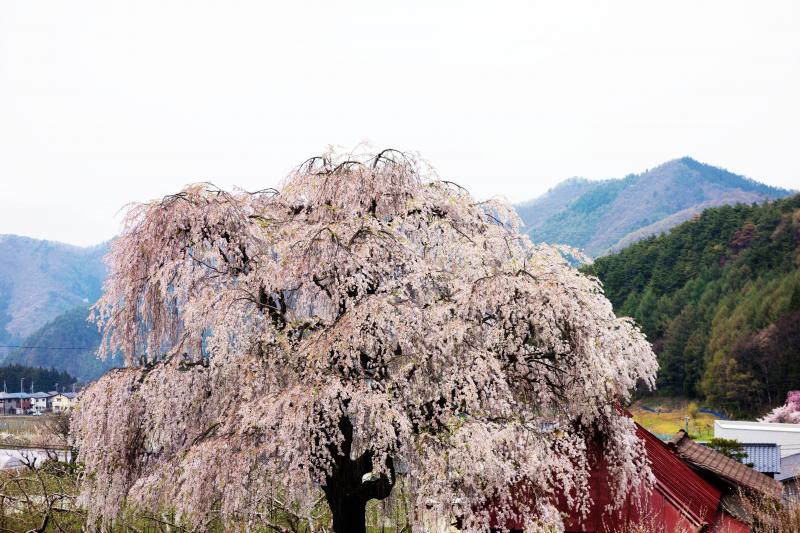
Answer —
(681, 500)
(684, 499)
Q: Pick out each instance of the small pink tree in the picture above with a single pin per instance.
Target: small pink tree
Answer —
(788, 413)
(288, 345)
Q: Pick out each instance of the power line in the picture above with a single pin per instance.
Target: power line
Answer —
(48, 347)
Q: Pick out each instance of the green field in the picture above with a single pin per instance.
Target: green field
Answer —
(671, 417)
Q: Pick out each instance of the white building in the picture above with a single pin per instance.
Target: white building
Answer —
(40, 401)
(62, 401)
(787, 436)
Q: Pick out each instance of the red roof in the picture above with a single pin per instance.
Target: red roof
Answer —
(696, 496)
(681, 500)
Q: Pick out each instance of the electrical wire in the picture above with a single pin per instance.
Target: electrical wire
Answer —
(47, 347)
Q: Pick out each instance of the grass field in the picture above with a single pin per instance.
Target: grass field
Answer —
(20, 428)
(671, 417)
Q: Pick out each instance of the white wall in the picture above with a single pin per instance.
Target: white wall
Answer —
(787, 436)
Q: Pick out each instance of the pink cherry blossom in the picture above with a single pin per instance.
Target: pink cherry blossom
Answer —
(366, 318)
(788, 413)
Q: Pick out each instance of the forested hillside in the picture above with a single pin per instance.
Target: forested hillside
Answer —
(719, 297)
(68, 343)
(14, 378)
(604, 216)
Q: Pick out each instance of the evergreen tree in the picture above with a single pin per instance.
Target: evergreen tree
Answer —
(716, 297)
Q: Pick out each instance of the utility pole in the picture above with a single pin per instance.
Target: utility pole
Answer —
(21, 386)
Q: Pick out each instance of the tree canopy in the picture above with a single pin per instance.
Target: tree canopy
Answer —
(365, 319)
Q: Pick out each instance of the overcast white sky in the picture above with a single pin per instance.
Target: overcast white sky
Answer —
(103, 103)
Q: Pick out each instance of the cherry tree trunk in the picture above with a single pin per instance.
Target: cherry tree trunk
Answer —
(351, 485)
(348, 512)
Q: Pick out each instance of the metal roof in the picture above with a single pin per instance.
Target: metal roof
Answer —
(14, 395)
(681, 499)
(28, 395)
(765, 457)
(693, 494)
(41, 395)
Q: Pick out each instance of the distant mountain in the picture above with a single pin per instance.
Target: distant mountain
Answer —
(68, 343)
(605, 216)
(39, 280)
(719, 298)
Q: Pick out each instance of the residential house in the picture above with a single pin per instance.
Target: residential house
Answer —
(764, 457)
(733, 478)
(786, 436)
(15, 403)
(7, 403)
(63, 401)
(40, 402)
(723, 471)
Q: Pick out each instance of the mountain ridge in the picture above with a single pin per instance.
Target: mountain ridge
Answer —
(45, 286)
(39, 280)
(599, 215)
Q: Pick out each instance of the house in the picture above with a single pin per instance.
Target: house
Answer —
(15, 403)
(787, 436)
(7, 403)
(727, 474)
(681, 500)
(764, 457)
(63, 401)
(40, 402)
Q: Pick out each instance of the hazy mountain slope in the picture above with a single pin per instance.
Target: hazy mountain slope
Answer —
(536, 212)
(719, 298)
(737, 196)
(39, 280)
(601, 216)
(66, 343)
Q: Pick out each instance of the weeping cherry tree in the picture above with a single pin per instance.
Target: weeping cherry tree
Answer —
(367, 318)
(788, 413)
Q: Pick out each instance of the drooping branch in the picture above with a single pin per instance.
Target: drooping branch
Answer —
(364, 316)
